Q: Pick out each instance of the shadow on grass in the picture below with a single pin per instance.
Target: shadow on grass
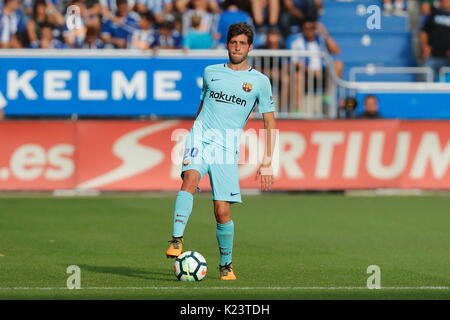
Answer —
(141, 273)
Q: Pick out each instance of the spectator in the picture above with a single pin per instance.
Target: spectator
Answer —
(265, 12)
(159, 8)
(143, 38)
(93, 40)
(398, 8)
(274, 68)
(435, 38)
(28, 5)
(43, 13)
(115, 31)
(347, 108)
(296, 12)
(211, 5)
(92, 14)
(371, 110)
(108, 8)
(274, 41)
(197, 38)
(208, 19)
(48, 40)
(314, 39)
(426, 7)
(11, 22)
(243, 5)
(232, 14)
(167, 37)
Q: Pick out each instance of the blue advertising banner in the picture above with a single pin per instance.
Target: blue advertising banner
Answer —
(107, 86)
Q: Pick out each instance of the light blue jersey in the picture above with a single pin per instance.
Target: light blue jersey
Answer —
(212, 146)
(229, 97)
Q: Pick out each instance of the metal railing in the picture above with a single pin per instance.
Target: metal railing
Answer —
(443, 71)
(372, 70)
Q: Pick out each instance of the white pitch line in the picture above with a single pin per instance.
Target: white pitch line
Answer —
(222, 288)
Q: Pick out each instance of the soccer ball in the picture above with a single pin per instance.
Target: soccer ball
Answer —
(190, 266)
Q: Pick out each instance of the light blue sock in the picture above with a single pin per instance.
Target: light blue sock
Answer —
(225, 234)
(183, 209)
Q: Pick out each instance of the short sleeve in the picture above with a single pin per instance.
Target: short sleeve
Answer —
(205, 86)
(265, 99)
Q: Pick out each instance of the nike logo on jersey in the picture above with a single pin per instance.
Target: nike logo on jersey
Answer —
(233, 194)
(212, 80)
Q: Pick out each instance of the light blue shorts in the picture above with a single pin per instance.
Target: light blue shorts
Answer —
(223, 175)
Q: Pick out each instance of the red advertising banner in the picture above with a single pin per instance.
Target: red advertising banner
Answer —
(37, 155)
(147, 155)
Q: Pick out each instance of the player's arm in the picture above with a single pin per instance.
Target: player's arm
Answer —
(203, 93)
(267, 108)
(265, 171)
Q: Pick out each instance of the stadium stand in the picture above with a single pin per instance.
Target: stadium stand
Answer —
(389, 46)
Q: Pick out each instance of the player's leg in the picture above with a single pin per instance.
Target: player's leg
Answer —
(225, 187)
(183, 208)
(225, 236)
(192, 170)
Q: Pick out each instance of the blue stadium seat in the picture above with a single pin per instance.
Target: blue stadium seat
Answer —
(391, 45)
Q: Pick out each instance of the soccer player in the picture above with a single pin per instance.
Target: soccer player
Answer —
(230, 92)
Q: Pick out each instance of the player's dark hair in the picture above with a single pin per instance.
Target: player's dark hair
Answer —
(239, 28)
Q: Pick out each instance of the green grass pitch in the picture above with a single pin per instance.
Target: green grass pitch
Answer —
(286, 247)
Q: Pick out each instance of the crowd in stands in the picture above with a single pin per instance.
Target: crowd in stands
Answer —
(196, 24)
(435, 35)
(144, 24)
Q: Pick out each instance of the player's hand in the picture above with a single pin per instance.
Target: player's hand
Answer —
(265, 172)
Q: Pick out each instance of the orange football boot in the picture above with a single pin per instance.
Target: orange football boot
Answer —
(175, 248)
(226, 272)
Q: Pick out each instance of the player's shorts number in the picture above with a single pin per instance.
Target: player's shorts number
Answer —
(192, 152)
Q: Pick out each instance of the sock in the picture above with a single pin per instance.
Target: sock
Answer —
(225, 233)
(183, 209)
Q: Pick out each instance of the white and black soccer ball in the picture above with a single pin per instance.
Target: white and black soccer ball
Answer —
(190, 266)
